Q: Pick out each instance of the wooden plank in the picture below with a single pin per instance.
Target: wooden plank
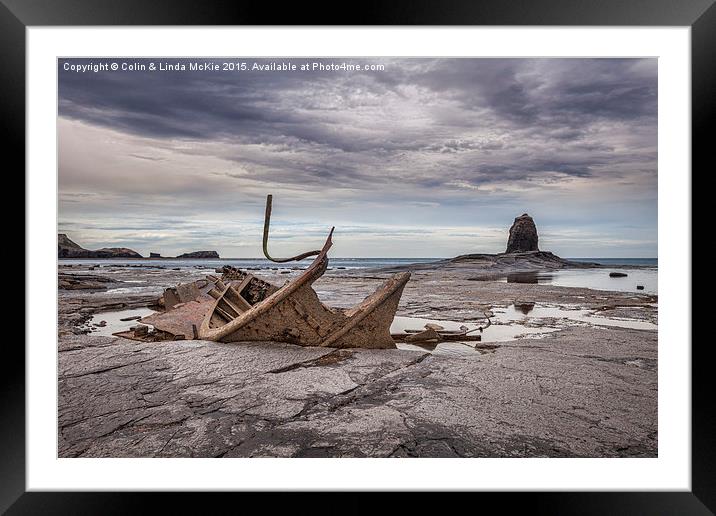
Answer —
(239, 304)
(230, 306)
(223, 313)
(243, 283)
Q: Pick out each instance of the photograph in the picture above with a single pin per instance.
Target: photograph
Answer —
(357, 257)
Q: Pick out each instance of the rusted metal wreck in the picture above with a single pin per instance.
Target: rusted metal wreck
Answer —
(240, 307)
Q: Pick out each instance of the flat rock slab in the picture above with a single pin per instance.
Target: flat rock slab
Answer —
(580, 392)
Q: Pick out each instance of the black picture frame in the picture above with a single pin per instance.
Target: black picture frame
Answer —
(700, 15)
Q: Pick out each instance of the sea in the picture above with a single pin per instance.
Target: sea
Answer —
(641, 272)
(251, 263)
(642, 262)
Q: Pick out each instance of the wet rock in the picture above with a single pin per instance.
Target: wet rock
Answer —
(618, 274)
(83, 282)
(523, 235)
(640, 287)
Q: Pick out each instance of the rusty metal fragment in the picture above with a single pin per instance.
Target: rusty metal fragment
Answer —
(427, 335)
(267, 221)
(179, 320)
(183, 293)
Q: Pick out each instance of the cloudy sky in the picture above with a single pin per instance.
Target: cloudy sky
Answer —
(424, 158)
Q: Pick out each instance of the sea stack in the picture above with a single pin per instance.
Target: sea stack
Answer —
(523, 235)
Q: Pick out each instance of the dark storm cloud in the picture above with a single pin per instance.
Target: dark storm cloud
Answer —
(195, 104)
(316, 107)
(526, 91)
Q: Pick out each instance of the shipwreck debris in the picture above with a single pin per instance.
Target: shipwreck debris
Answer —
(434, 333)
(429, 335)
(184, 292)
(144, 333)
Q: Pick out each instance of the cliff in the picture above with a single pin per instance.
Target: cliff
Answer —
(66, 248)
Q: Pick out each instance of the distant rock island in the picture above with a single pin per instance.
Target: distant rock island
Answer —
(66, 248)
(200, 254)
(522, 252)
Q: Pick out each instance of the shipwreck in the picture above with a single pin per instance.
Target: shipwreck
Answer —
(241, 307)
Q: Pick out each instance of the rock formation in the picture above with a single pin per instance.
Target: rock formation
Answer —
(66, 248)
(65, 244)
(83, 282)
(200, 254)
(523, 235)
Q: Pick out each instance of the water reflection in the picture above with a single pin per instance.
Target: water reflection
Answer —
(104, 324)
(643, 281)
(529, 277)
(524, 306)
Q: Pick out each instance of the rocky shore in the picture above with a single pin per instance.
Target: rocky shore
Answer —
(501, 264)
(582, 390)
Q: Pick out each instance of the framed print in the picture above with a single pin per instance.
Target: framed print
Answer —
(435, 250)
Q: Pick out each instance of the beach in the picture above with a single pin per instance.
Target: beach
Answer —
(573, 376)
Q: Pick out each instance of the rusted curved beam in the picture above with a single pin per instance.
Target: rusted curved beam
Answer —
(267, 221)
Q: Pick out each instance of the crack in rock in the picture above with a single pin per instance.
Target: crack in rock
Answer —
(334, 357)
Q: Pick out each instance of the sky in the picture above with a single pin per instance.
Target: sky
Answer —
(414, 158)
